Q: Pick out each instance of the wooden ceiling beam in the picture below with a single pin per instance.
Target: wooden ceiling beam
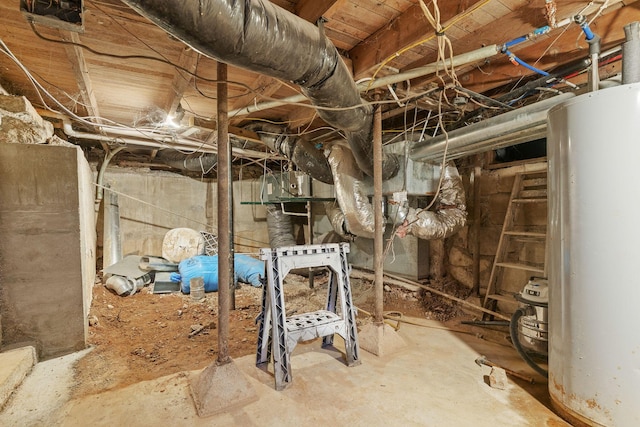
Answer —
(407, 29)
(83, 78)
(262, 85)
(570, 46)
(212, 126)
(81, 71)
(188, 60)
(312, 10)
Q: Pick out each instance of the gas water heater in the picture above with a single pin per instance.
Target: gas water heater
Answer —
(593, 151)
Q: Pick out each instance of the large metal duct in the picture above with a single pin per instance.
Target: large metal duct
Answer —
(279, 227)
(521, 125)
(197, 162)
(450, 213)
(262, 37)
(300, 151)
(351, 194)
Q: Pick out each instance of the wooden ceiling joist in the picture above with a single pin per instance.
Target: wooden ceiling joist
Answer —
(312, 10)
(81, 71)
(567, 44)
(407, 29)
(188, 60)
(264, 85)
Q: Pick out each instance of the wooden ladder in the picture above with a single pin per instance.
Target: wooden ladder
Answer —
(528, 188)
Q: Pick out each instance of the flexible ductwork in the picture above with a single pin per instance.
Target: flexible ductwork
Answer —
(450, 213)
(300, 151)
(195, 162)
(336, 218)
(350, 193)
(279, 227)
(262, 37)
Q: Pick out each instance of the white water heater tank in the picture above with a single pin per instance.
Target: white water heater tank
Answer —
(593, 150)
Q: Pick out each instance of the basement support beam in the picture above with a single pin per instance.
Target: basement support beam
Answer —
(83, 78)
(312, 10)
(378, 241)
(225, 219)
(81, 70)
(407, 29)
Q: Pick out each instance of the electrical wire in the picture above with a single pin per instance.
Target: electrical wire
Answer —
(235, 83)
(128, 57)
(453, 22)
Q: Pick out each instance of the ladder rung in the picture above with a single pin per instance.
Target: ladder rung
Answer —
(503, 298)
(530, 200)
(516, 266)
(534, 182)
(525, 233)
(530, 194)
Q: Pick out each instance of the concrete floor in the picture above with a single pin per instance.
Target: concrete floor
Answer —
(434, 381)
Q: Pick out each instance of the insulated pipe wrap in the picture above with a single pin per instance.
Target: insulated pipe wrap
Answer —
(262, 37)
(188, 162)
(631, 54)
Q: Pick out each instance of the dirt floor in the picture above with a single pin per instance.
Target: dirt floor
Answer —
(146, 336)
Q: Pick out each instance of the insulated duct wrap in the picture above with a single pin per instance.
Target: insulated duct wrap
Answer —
(198, 162)
(262, 37)
(350, 193)
(336, 217)
(300, 151)
(279, 228)
(450, 213)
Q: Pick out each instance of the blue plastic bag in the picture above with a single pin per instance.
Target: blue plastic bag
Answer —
(247, 270)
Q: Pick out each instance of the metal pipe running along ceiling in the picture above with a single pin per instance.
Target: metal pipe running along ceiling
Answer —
(257, 35)
(521, 125)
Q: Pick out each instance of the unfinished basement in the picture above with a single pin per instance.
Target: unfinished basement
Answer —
(319, 212)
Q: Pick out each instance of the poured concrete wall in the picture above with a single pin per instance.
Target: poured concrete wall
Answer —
(47, 264)
(154, 202)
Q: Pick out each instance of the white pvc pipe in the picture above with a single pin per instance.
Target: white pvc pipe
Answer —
(126, 137)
